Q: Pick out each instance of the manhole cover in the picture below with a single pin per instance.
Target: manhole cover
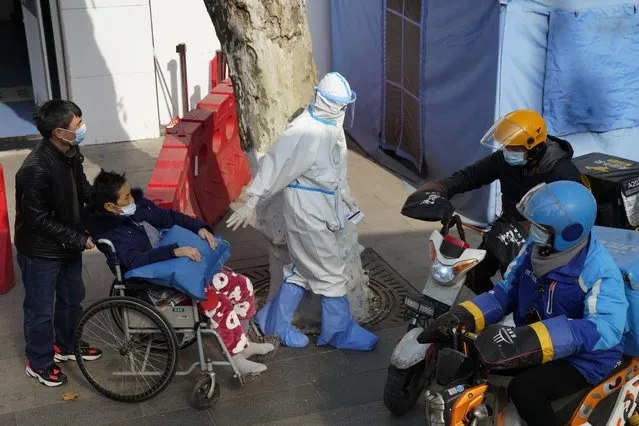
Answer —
(387, 288)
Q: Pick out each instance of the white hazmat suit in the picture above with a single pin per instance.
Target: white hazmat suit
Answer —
(308, 163)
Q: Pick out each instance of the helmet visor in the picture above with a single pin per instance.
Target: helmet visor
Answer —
(505, 133)
(540, 203)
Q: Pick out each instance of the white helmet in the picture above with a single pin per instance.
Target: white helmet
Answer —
(333, 87)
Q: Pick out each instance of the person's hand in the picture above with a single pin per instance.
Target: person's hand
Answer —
(428, 205)
(89, 244)
(243, 215)
(187, 251)
(348, 200)
(206, 235)
(441, 329)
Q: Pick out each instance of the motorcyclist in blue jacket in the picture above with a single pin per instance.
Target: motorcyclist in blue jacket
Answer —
(567, 298)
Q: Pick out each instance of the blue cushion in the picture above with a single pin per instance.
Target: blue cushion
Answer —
(182, 273)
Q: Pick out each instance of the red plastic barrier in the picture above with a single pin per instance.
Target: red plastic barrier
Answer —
(201, 167)
(217, 102)
(223, 88)
(232, 160)
(202, 117)
(227, 169)
(186, 131)
(7, 278)
(170, 171)
(206, 179)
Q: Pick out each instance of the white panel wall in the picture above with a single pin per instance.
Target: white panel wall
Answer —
(123, 70)
(109, 57)
(186, 21)
(318, 13)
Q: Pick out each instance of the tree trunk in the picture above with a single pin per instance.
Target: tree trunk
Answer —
(269, 51)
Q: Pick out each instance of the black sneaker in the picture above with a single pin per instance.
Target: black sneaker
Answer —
(88, 353)
(50, 376)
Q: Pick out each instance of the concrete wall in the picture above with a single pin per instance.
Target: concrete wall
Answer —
(109, 58)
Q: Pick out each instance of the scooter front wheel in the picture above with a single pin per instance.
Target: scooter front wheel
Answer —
(403, 387)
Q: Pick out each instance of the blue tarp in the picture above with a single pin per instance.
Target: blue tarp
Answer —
(458, 89)
(357, 54)
(478, 66)
(591, 79)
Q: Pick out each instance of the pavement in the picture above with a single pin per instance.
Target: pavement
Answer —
(310, 386)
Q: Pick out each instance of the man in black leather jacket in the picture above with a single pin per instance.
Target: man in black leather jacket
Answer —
(525, 157)
(51, 190)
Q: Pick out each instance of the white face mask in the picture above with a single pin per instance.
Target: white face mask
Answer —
(128, 210)
(539, 236)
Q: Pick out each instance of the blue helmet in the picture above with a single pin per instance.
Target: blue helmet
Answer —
(565, 209)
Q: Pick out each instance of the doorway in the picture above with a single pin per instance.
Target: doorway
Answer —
(29, 69)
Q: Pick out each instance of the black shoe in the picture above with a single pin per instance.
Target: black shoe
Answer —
(49, 376)
(88, 353)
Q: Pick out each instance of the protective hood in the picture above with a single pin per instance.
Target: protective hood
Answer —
(556, 149)
(332, 95)
(325, 110)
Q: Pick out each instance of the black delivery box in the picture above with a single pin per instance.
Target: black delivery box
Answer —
(614, 182)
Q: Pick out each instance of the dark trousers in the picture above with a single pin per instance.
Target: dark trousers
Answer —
(53, 295)
(479, 278)
(533, 390)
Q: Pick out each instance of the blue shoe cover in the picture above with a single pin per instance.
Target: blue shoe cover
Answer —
(340, 330)
(276, 316)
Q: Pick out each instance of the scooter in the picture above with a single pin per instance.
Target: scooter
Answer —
(412, 364)
(463, 392)
(459, 390)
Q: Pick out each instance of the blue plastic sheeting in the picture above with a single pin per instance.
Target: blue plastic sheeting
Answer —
(591, 70)
(525, 30)
(356, 27)
(460, 78)
(620, 143)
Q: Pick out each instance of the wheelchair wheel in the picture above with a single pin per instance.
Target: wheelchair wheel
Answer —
(184, 339)
(129, 370)
(203, 397)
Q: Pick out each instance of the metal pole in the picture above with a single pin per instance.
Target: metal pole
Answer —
(219, 56)
(181, 50)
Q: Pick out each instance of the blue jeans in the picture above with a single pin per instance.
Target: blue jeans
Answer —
(53, 295)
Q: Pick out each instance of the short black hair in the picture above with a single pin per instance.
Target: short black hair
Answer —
(53, 114)
(106, 187)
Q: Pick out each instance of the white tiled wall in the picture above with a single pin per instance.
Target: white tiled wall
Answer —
(109, 57)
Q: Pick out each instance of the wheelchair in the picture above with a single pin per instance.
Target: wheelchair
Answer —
(139, 340)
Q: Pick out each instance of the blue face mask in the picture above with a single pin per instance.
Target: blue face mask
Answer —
(515, 158)
(80, 134)
(539, 236)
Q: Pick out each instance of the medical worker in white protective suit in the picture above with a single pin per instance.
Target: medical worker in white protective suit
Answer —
(308, 163)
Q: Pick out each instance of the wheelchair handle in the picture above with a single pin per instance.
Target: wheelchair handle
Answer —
(118, 270)
(107, 243)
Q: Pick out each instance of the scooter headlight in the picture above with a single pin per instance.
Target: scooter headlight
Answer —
(442, 273)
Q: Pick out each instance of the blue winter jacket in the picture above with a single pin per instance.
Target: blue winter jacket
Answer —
(129, 237)
(589, 291)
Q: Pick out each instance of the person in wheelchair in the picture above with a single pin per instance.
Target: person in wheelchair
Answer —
(567, 298)
(525, 156)
(132, 223)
